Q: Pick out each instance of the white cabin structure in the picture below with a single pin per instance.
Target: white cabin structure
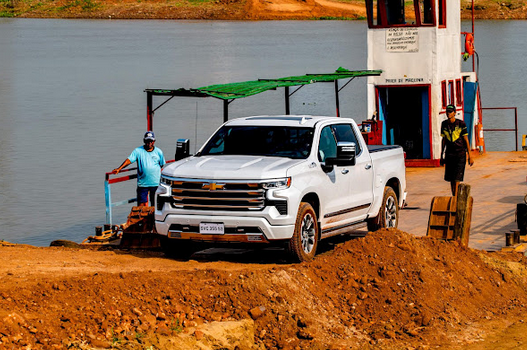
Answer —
(418, 46)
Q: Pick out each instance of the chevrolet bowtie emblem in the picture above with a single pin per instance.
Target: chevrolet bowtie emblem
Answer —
(213, 186)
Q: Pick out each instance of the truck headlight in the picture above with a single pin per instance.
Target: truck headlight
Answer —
(277, 183)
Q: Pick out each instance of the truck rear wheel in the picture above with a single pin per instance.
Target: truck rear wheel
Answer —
(303, 244)
(388, 215)
(178, 248)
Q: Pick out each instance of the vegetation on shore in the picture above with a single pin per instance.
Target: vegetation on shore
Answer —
(230, 9)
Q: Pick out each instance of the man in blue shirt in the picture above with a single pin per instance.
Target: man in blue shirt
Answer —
(149, 160)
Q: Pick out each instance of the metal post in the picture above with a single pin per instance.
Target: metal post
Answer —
(149, 111)
(337, 102)
(473, 58)
(225, 111)
(287, 105)
(108, 201)
(516, 126)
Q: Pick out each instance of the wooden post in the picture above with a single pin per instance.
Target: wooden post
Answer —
(463, 214)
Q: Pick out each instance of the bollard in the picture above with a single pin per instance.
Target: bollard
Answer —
(516, 236)
(509, 236)
(98, 230)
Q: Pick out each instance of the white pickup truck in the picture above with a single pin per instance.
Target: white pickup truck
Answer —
(290, 180)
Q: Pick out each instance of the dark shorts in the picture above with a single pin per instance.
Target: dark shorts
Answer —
(142, 195)
(455, 167)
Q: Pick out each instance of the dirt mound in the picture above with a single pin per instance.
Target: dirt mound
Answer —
(381, 291)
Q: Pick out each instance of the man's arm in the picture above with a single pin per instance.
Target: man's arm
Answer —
(443, 146)
(125, 164)
(470, 161)
(162, 160)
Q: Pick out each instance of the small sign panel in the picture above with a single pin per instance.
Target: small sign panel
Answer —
(402, 40)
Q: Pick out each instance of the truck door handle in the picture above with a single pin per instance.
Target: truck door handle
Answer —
(367, 166)
(345, 171)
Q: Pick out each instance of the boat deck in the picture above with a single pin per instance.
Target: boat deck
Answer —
(498, 184)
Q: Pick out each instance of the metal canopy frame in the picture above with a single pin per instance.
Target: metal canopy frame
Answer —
(229, 92)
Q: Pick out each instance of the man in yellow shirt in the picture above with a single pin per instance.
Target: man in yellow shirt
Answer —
(455, 148)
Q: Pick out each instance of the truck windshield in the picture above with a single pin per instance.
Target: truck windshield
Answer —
(267, 141)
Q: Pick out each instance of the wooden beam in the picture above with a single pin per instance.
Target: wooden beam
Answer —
(463, 214)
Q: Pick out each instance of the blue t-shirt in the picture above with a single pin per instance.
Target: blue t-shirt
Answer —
(148, 166)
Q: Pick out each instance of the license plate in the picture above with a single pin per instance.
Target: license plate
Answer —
(209, 228)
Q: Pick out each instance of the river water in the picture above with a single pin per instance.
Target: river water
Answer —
(72, 101)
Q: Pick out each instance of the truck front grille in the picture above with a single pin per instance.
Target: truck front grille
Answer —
(219, 195)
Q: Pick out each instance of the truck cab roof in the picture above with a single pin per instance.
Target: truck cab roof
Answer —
(284, 120)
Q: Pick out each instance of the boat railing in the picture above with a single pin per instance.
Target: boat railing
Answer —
(515, 129)
(108, 191)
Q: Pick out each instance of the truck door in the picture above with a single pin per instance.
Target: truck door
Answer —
(345, 199)
(360, 175)
(334, 184)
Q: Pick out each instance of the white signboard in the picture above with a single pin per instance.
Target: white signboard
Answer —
(402, 40)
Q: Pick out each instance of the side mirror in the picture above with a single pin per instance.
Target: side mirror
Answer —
(346, 152)
(327, 167)
(182, 149)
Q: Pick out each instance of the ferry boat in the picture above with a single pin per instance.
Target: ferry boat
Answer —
(419, 46)
(415, 52)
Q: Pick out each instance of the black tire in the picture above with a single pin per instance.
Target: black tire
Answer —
(65, 243)
(180, 249)
(388, 213)
(303, 244)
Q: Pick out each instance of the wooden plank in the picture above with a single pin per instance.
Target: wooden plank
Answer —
(450, 217)
(442, 218)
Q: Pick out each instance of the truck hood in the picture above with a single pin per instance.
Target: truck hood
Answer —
(231, 167)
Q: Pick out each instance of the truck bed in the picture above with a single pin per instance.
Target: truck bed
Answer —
(379, 148)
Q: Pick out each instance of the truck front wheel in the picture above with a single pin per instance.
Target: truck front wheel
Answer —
(303, 244)
(388, 215)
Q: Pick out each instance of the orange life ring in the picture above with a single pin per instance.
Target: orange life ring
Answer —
(469, 44)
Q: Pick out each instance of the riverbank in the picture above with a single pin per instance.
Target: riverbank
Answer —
(230, 9)
(388, 290)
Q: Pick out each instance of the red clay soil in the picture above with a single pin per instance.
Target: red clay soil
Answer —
(231, 9)
(388, 290)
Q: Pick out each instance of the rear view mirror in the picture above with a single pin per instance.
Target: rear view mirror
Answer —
(182, 149)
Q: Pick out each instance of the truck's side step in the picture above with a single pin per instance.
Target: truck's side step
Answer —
(334, 231)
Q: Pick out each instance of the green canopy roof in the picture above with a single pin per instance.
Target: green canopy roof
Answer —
(249, 88)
